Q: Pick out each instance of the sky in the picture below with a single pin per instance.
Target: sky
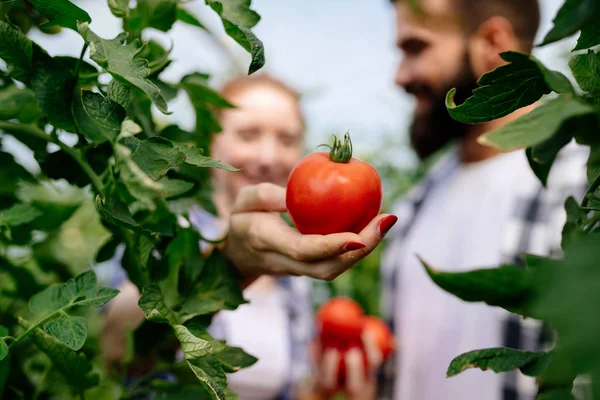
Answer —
(339, 54)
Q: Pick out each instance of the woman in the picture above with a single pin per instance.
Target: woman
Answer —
(263, 136)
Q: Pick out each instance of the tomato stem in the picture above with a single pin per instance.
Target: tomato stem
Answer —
(340, 152)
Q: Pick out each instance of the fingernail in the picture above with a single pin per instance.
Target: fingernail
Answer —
(386, 224)
(351, 246)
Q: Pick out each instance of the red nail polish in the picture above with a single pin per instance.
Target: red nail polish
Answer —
(387, 223)
(351, 246)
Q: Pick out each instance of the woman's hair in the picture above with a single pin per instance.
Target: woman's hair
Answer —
(243, 83)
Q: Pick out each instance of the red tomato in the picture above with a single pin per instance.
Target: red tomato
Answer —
(341, 322)
(332, 193)
(382, 335)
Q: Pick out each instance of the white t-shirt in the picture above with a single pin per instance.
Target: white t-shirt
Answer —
(458, 228)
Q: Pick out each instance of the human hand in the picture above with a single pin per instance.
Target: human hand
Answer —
(260, 242)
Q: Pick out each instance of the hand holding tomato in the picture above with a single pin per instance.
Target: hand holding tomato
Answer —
(260, 242)
(351, 348)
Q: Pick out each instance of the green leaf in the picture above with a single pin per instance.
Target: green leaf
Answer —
(153, 305)
(218, 282)
(18, 214)
(78, 291)
(192, 346)
(498, 360)
(560, 394)
(100, 297)
(118, 92)
(574, 15)
(234, 358)
(197, 84)
(16, 50)
(72, 331)
(19, 104)
(574, 217)
(119, 8)
(4, 331)
(209, 372)
(186, 17)
(61, 12)
(174, 187)
(508, 88)
(135, 259)
(87, 125)
(541, 156)
(59, 295)
(238, 19)
(158, 61)
(508, 287)
(194, 157)
(74, 367)
(4, 372)
(157, 14)
(105, 112)
(586, 68)
(155, 156)
(53, 82)
(569, 303)
(123, 63)
(590, 36)
(3, 350)
(537, 126)
(116, 212)
(200, 305)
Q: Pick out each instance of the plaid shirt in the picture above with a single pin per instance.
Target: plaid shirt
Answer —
(535, 227)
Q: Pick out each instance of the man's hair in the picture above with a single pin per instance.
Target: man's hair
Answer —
(524, 15)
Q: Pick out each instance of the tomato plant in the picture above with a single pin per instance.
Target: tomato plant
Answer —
(562, 291)
(331, 193)
(111, 181)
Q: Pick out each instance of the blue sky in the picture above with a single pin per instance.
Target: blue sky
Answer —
(339, 53)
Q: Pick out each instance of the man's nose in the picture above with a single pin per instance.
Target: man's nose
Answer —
(404, 75)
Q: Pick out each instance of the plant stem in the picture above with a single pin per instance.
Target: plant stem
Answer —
(74, 153)
(78, 67)
(37, 325)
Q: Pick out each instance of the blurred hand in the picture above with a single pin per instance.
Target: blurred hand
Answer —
(260, 242)
(361, 382)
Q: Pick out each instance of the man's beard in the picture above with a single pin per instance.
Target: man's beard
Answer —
(433, 130)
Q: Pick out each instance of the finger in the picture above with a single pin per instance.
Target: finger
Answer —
(329, 369)
(372, 351)
(355, 371)
(261, 197)
(373, 233)
(271, 234)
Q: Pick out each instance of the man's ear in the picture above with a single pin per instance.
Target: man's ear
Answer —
(496, 35)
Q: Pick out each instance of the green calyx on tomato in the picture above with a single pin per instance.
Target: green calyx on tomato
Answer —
(340, 152)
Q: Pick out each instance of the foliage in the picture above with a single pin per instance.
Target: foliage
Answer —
(109, 177)
(561, 292)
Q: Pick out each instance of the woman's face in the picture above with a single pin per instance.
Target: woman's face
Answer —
(263, 136)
